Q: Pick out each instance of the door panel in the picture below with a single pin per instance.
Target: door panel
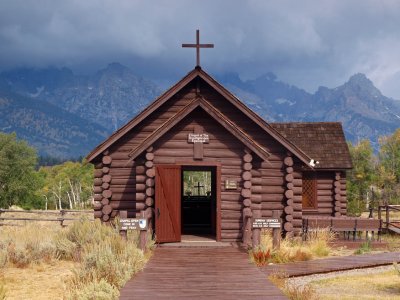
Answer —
(168, 203)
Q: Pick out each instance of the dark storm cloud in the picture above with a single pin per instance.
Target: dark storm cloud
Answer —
(308, 43)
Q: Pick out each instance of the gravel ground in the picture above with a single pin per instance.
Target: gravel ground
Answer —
(304, 280)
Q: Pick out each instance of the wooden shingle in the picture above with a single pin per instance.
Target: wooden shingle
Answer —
(322, 141)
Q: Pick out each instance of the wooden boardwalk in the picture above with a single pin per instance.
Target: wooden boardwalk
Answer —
(333, 264)
(200, 273)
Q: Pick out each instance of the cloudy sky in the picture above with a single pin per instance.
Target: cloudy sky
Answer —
(306, 43)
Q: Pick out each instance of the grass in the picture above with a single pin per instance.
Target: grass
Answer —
(49, 279)
(383, 285)
(294, 249)
(364, 248)
(374, 284)
(293, 292)
(87, 260)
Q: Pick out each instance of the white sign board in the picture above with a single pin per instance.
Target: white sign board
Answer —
(133, 224)
(266, 223)
(198, 138)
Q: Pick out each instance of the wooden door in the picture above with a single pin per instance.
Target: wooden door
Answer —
(168, 203)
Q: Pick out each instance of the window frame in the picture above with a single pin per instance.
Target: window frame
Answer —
(311, 176)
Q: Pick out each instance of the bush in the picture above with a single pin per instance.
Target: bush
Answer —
(106, 260)
(318, 242)
(94, 290)
(114, 259)
(293, 249)
(292, 291)
(261, 257)
(103, 254)
(364, 248)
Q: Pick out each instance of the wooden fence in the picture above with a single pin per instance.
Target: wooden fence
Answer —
(345, 225)
(11, 217)
(391, 220)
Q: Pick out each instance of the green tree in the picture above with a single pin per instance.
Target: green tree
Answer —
(361, 177)
(19, 182)
(68, 185)
(389, 168)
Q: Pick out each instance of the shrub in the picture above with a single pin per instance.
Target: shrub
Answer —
(114, 260)
(107, 260)
(295, 292)
(294, 249)
(261, 257)
(65, 248)
(364, 248)
(85, 232)
(292, 291)
(94, 290)
(318, 242)
(105, 255)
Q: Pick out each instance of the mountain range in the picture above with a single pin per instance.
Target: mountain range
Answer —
(65, 115)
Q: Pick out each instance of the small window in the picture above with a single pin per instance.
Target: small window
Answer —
(309, 196)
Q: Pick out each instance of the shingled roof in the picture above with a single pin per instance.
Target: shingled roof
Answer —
(322, 141)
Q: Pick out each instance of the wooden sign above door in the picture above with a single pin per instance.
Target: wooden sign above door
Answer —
(198, 138)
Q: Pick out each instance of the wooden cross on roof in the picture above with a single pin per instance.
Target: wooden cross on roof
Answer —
(197, 46)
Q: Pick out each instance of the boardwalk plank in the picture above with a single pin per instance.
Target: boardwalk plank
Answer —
(334, 264)
(200, 273)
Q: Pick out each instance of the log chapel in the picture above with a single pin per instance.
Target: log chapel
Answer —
(198, 161)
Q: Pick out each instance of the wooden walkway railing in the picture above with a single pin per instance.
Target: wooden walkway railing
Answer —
(7, 216)
(347, 225)
(389, 223)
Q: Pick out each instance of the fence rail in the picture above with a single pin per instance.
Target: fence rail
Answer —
(388, 221)
(9, 217)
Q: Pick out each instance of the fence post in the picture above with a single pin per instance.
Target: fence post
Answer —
(276, 232)
(123, 214)
(379, 212)
(387, 217)
(143, 234)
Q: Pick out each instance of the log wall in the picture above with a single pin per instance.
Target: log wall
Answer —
(331, 194)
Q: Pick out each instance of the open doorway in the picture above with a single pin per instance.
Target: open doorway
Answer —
(198, 203)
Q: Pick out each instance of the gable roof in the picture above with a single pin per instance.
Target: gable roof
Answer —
(215, 114)
(322, 141)
(198, 72)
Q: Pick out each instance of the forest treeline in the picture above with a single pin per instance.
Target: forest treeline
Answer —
(375, 177)
(28, 181)
(28, 184)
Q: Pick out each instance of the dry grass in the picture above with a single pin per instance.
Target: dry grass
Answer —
(87, 260)
(384, 285)
(43, 281)
(293, 292)
(22, 246)
(393, 241)
(294, 249)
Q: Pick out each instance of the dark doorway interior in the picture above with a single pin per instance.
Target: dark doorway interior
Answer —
(199, 200)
